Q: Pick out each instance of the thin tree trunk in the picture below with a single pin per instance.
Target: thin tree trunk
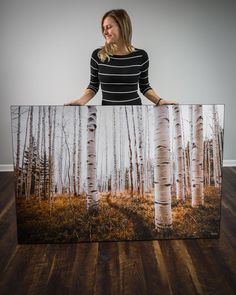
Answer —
(49, 152)
(106, 166)
(53, 153)
(44, 163)
(74, 154)
(37, 168)
(216, 149)
(61, 152)
(140, 130)
(121, 179)
(79, 153)
(190, 145)
(130, 154)
(136, 151)
(178, 143)
(114, 153)
(92, 193)
(162, 170)
(30, 155)
(197, 157)
(17, 167)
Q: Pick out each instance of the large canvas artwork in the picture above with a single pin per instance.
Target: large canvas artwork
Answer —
(113, 173)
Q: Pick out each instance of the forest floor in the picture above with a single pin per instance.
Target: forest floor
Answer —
(122, 217)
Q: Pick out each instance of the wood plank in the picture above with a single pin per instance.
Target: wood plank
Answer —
(204, 266)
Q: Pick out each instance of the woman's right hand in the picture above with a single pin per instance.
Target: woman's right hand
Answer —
(85, 98)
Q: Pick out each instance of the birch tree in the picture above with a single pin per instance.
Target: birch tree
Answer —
(61, 152)
(136, 151)
(23, 166)
(79, 158)
(121, 160)
(30, 154)
(178, 144)
(106, 151)
(197, 157)
(53, 152)
(130, 154)
(74, 154)
(37, 164)
(190, 145)
(49, 152)
(114, 153)
(17, 167)
(44, 160)
(162, 169)
(217, 152)
(149, 177)
(187, 169)
(92, 193)
(140, 131)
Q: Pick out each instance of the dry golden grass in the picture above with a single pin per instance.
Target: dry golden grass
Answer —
(121, 217)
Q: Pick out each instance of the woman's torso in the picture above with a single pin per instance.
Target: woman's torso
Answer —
(119, 77)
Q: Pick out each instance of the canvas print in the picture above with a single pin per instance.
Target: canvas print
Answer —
(114, 173)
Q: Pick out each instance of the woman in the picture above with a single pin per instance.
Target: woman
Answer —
(118, 66)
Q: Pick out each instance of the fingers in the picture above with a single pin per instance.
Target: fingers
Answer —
(168, 102)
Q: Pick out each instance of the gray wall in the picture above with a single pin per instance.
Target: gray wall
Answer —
(46, 47)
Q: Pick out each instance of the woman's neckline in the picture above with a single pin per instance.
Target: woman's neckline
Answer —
(124, 55)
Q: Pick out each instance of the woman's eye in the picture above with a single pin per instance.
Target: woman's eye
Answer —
(107, 28)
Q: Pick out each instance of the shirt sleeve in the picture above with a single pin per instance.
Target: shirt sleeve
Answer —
(144, 79)
(94, 81)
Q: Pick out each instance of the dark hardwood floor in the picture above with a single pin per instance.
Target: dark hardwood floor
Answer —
(152, 267)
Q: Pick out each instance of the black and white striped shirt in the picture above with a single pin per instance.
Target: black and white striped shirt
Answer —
(120, 77)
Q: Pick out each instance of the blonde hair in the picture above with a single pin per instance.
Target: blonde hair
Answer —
(122, 18)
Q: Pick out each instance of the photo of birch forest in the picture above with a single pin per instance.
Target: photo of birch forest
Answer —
(111, 173)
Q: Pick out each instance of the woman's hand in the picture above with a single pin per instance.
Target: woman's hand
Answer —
(73, 103)
(85, 98)
(153, 97)
(166, 102)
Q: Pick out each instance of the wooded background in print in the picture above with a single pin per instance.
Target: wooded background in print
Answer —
(117, 173)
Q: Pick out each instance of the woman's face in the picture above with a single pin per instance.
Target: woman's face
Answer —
(111, 31)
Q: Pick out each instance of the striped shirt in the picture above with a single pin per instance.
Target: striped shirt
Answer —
(120, 77)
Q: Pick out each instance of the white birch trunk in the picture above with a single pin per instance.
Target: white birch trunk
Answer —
(114, 188)
(106, 163)
(190, 145)
(197, 157)
(187, 169)
(44, 164)
(60, 158)
(74, 154)
(149, 162)
(50, 152)
(178, 144)
(162, 169)
(30, 155)
(92, 193)
(23, 166)
(121, 179)
(137, 178)
(17, 167)
(130, 155)
(79, 158)
(37, 168)
(53, 152)
(140, 131)
(216, 149)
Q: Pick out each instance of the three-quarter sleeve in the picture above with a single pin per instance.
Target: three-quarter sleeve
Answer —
(94, 81)
(144, 79)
